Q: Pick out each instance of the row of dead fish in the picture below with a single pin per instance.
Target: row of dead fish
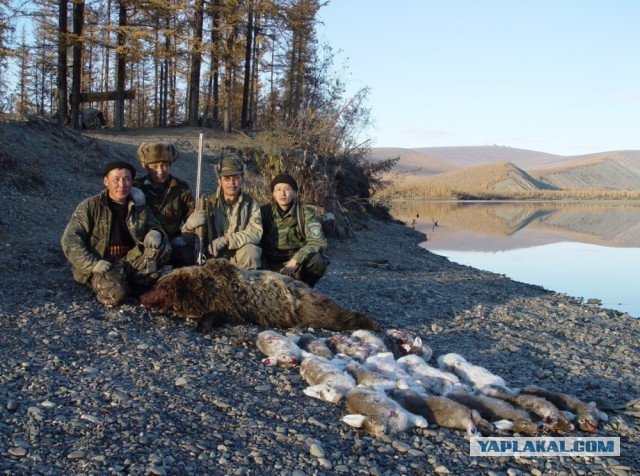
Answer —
(389, 386)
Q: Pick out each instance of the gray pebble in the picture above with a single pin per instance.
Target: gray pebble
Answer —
(17, 451)
(156, 471)
(317, 450)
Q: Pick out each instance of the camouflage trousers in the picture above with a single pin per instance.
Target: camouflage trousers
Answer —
(309, 271)
(127, 278)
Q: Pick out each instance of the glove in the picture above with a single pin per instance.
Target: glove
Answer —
(102, 266)
(178, 242)
(137, 196)
(217, 245)
(196, 219)
(153, 240)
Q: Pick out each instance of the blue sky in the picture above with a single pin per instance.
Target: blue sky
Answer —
(557, 76)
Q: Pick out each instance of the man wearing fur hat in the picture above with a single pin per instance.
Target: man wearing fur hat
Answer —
(169, 197)
(233, 226)
(115, 245)
(292, 240)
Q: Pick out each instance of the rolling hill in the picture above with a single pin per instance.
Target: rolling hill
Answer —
(600, 171)
(414, 162)
(495, 171)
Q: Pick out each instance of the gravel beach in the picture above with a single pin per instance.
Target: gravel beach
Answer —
(91, 390)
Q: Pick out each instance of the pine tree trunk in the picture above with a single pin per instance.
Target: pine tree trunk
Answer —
(196, 61)
(120, 68)
(244, 116)
(63, 111)
(76, 86)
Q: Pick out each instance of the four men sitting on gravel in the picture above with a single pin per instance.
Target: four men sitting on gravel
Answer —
(120, 241)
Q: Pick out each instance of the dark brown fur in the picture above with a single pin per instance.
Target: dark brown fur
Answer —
(218, 292)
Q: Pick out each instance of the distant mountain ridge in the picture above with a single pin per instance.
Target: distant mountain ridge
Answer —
(498, 169)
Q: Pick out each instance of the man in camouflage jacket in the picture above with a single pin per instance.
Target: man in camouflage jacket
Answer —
(114, 245)
(169, 197)
(232, 221)
(289, 246)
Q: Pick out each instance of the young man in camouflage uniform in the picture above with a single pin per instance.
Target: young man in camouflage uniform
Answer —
(114, 245)
(169, 197)
(233, 226)
(290, 247)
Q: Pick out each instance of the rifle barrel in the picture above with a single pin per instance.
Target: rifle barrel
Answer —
(199, 166)
(200, 205)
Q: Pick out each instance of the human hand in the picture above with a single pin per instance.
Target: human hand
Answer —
(196, 219)
(153, 240)
(102, 266)
(217, 245)
(137, 196)
(289, 267)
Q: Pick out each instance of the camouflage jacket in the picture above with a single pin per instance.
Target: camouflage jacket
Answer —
(86, 236)
(240, 224)
(171, 206)
(282, 238)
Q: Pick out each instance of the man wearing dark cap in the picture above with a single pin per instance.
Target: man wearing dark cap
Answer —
(114, 245)
(292, 241)
(169, 197)
(233, 226)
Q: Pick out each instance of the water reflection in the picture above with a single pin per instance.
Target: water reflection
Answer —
(587, 250)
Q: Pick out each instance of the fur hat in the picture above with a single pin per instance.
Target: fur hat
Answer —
(230, 165)
(118, 164)
(150, 153)
(284, 178)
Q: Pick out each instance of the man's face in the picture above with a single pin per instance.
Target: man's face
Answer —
(283, 194)
(118, 183)
(231, 186)
(158, 172)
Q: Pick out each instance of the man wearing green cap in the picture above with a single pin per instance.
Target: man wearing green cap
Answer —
(293, 241)
(115, 245)
(232, 221)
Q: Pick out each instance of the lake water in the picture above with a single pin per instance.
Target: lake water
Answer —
(583, 249)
